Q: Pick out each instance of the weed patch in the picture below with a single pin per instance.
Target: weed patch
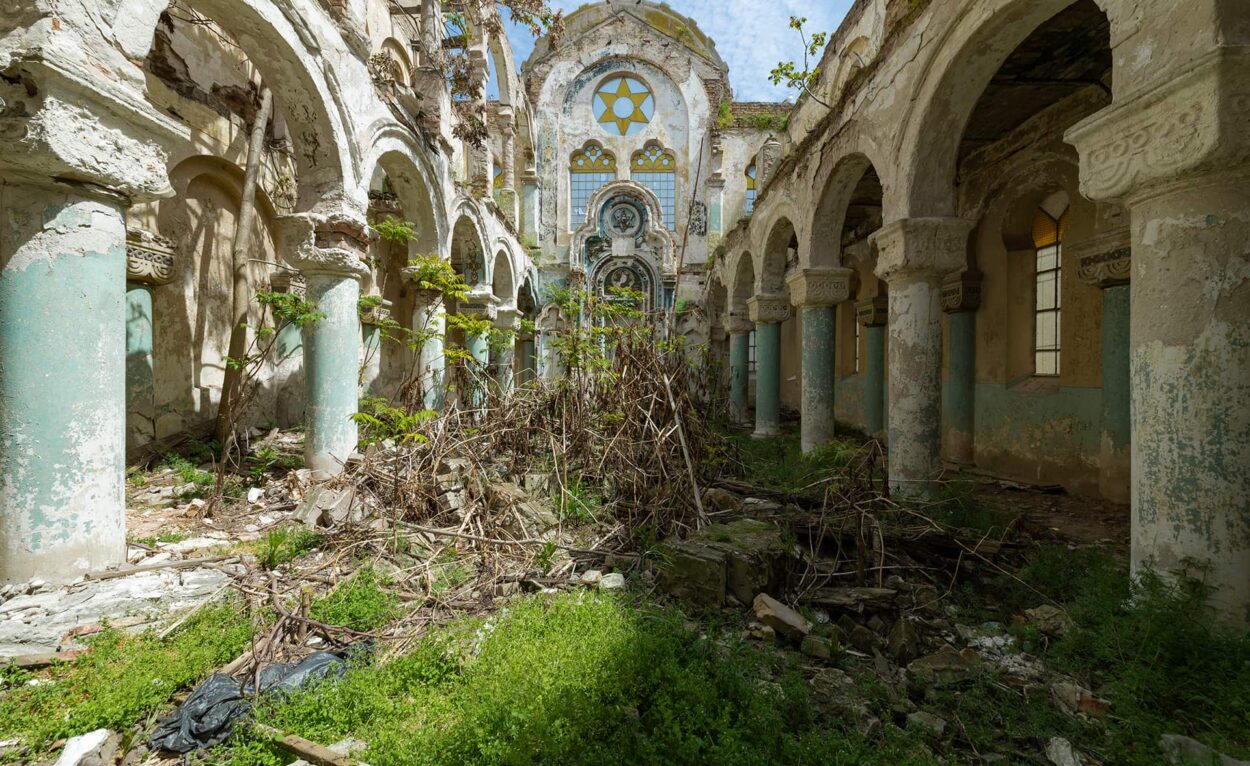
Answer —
(120, 679)
(362, 603)
(283, 545)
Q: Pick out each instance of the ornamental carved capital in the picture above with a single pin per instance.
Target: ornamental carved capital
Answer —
(480, 302)
(737, 324)
(291, 282)
(326, 244)
(149, 258)
(378, 314)
(962, 293)
(507, 319)
(811, 288)
(873, 312)
(768, 309)
(1104, 261)
(1192, 124)
(915, 249)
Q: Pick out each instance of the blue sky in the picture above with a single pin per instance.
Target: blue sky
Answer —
(751, 35)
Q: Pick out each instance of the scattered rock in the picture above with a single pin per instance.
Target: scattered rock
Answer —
(1186, 751)
(323, 506)
(903, 642)
(718, 499)
(507, 588)
(780, 617)
(255, 495)
(759, 630)
(943, 668)
(92, 748)
(1050, 620)
(1060, 752)
(927, 722)
(857, 600)
(817, 646)
(613, 581)
(502, 495)
(742, 559)
(1075, 700)
(591, 577)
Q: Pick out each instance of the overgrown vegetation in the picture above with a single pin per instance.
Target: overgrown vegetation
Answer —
(362, 603)
(122, 679)
(577, 679)
(285, 544)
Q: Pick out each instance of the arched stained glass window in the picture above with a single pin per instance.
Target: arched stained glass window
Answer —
(655, 167)
(751, 186)
(623, 105)
(498, 183)
(589, 168)
(1048, 234)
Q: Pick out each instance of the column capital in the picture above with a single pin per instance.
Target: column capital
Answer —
(873, 312)
(962, 292)
(820, 287)
(327, 244)
(768, 309)
(1105, 260)
(291, 282)
(736, 324)
(65, 121)
(149, 258)
(378, 315)
(1190, 125)
(921, 248)
(507, 319)
(480, 302)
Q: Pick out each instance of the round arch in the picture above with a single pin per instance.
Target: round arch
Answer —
(960, 68)
(416, 184)
(781, 238)
(277, 37)
(830, 212)
(467, 247)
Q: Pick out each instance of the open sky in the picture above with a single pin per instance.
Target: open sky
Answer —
(751, 35)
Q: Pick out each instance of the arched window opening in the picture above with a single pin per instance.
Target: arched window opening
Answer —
(751, 187)
(655, 167)
(589, 168)
(498, 173)
(1049, 225)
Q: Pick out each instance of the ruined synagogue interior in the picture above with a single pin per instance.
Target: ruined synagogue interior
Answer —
(460, 381)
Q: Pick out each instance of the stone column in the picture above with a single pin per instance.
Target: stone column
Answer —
(149, 263)
(505, 356)
(914, 256)
(72, 159)
(1177, 156)
(529, 360)
(1106, 262)
(430, 324)
(815, 292)
(739, 329)
(768, 312)
(961, 297)
(873, 315)
(481, 304)
(328, 251)
(371, 352)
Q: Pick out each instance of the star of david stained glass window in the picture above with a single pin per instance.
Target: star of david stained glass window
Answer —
(623, 105)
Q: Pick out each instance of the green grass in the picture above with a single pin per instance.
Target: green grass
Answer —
(164, 536)
(202, 481)
(362, 603)
(120, 680)
(779, 463)
(582, 678)
(579, 502)
(958, 505)
(283, 545)
(267, 460)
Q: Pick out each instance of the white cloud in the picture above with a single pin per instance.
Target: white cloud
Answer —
(752, 36)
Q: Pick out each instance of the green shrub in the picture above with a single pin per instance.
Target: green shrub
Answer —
(362, 603)
(285, 544)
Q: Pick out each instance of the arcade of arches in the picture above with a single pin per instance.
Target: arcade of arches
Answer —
(1003, 235)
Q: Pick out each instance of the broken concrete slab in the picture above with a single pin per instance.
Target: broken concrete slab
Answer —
(943, 668)
(740, 559)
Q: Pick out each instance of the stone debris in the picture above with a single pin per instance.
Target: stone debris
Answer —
(740, 559)
(781, 618)
(1060, 752)
(816, 646)
(613, 581)
(926, 722)
(944, 668)
(1049, 620)
(94, 748)
(1187, 751)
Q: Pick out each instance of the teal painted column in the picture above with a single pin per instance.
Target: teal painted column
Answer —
(529, 361)
(504, 359)
(768, 312)
(140, 379)
(739, 370)
(1114, 476)
(479, 303)
(371, 356)
(816, 292)
(960, 300)
(871, 315)
(328, 252)
(62, 382)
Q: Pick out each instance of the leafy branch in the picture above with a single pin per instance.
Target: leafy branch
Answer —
(806, 79)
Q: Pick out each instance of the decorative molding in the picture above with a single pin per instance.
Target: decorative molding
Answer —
(1194, 123)
(768, 309)
(698, 219)
(873, 312)
(149, 258)
(736, 324)
(507, 319)
(291, 282)
(913, 249)
(1105, 260)
(962, 293)
(812, 288)
(377, 315)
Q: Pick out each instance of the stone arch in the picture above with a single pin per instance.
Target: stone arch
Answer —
(502, 282)
(287, 51)
(741, 285)
(779, 249)
(467, 247)
(416, 183)
(395, 49)
(964, 62)
(843, 188)
(657, 236)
